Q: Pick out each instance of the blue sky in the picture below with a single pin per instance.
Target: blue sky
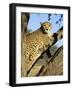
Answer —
(37, 18)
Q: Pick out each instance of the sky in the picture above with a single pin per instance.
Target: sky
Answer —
(37, 18)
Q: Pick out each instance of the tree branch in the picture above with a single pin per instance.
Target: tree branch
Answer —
(55, 65)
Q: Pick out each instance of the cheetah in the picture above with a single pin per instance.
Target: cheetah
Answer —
(33, 45)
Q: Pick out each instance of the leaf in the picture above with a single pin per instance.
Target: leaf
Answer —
(56, 22)
(49, 19)
(61, 15)
(60, 19)
(49, 14)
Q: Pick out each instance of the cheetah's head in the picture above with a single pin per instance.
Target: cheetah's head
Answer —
(46, 27)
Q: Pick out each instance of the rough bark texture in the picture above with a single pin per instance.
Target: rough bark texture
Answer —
(55, 65)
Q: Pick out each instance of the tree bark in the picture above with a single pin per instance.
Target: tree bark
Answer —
(55, 65)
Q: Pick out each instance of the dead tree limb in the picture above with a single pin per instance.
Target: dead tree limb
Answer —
(55, 65)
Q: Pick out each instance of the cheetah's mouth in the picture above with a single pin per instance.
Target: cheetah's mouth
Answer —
(46, 30)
